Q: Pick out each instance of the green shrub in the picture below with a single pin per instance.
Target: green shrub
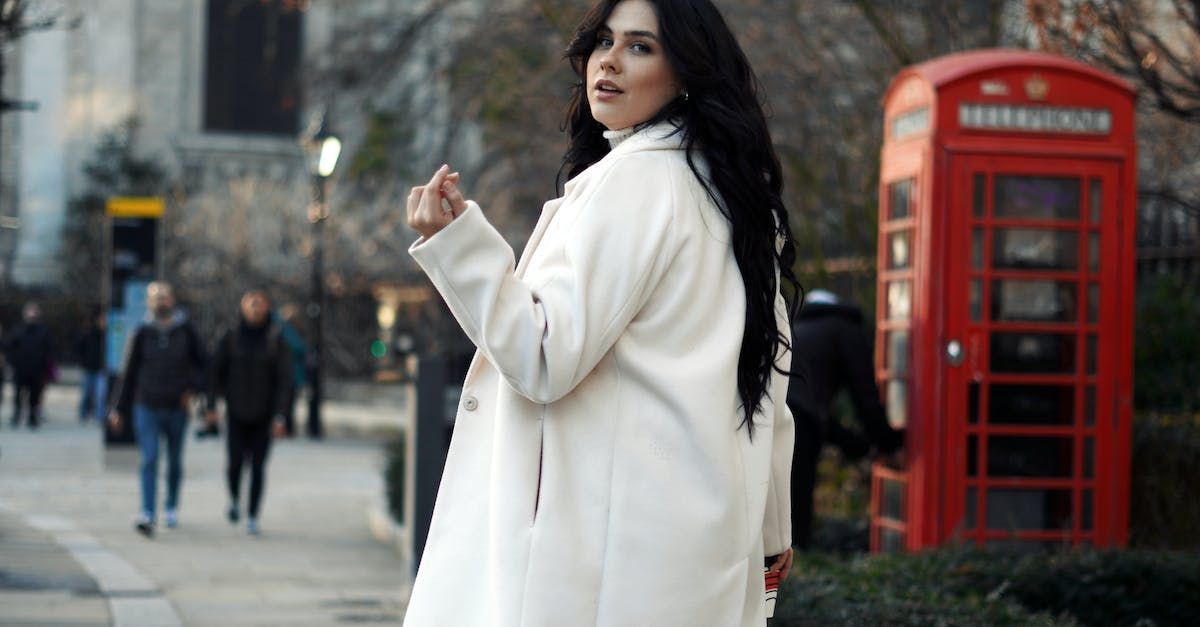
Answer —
(1166, 343)
(393, 477)
(1110, 587)
(892, 590)
(970, 587)
(1165, 467)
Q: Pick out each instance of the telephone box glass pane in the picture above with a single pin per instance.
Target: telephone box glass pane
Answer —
(898, 249)
(1093, 252)
(897, 352)
(899, 300)
(975, 299)
(978, 196)
(897, 403)
(1090, 356)
(1035, 249)
(972, 455)
(972, 507)
(1085, 515)
(890, 540)
(1034, 301)
(1089, 405)
(1043, 353)
(892, 505)
(1044, 197)
(1093, 302)
(1089, 458)
(1096, 200)
(1011, 509)
(973, 402)
(1020, 404)
(1029, 456)
(899, 199)
(977, 249)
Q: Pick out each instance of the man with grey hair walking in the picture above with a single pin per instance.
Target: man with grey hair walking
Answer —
(163, 369)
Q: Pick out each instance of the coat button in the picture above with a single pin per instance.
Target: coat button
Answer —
(470, 403)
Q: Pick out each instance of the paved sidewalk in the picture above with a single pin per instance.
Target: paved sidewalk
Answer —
(40, 583)
(69, 555)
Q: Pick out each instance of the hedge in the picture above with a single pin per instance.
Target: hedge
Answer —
(973, 587)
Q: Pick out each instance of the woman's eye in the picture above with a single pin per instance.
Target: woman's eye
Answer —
(640, 48)
(604, 42)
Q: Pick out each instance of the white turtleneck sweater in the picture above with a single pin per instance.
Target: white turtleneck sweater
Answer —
(616, 137)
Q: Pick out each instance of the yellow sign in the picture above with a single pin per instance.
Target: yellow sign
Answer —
(135, 207)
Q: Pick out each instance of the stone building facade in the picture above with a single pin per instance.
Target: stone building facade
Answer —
(220, 91)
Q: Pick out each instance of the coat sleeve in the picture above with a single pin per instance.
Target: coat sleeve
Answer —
(133, 367)
(777, 521)
(218, 371)
(283, 376)
(546, 331)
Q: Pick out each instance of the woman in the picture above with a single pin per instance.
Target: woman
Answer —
(622, 446)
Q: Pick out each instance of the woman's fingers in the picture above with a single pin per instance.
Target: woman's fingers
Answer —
(439, 177)
(428, 217)
(783, 563)
(413, 197)
(454, 196)
(426, 213)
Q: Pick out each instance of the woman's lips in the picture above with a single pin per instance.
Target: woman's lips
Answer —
(606, 90)
(604, 95)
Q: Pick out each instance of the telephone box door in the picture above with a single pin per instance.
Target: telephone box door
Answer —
(1030, 312)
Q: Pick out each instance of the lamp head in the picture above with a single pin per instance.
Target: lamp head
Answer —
(321, 146)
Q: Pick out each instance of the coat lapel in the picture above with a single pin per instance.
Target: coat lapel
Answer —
(548, 211)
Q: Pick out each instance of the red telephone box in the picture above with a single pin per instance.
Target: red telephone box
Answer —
(1005, 302)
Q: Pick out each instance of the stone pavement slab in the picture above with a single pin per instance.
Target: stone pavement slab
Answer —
(40, 583)
(315, 563)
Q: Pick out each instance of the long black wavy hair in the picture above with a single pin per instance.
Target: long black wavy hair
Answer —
(722, 121)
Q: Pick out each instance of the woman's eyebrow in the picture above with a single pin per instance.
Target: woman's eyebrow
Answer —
(641, 33)
(631, 33)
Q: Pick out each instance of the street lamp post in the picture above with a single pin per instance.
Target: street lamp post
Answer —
(322, 149)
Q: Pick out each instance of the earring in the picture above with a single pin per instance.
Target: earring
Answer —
(685, 94)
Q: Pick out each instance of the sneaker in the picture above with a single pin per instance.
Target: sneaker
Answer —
(144, 525)
(252, 526)
(232, 514)
(172, 519)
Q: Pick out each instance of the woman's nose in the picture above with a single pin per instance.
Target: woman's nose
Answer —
(608, 62)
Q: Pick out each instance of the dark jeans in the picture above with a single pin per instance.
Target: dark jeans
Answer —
(93, 401)
(250, 439)
(289, 417)
(28, 391)
(150, 424)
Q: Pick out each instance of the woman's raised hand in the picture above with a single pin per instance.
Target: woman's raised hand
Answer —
(427, 214)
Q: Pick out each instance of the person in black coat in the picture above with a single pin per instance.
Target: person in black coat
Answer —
(831, 353)
(93, 399)
(29, 352)
(164, 368)
(252, 371)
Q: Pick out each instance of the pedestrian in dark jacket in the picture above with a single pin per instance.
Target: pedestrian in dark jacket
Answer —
(29, 353)
(164, 368)
(252, 370)
(831, 353)
(93, 400)
(299, 353)
(3, 363)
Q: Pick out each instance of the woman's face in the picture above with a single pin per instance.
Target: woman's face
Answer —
(628, 76)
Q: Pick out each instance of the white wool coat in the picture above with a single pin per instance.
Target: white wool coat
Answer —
(597, 474)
